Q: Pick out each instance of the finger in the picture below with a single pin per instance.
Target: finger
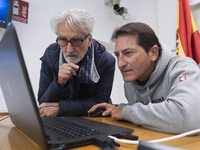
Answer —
(73, 72)
(48, 115)
(74, 66)
(62, 76)
(41, 105)
(100, 105)
(52, 112)
(70, 65)
(44, 104)
(73, 69)
(65, 73)
(40, 111)
(93, 108)
(106, 113)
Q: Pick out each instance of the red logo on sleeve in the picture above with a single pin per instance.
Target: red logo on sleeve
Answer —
(182, 78)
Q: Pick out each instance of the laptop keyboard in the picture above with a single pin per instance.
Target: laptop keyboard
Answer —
(69, 130)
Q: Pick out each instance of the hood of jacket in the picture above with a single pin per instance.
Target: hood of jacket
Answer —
(160, 67)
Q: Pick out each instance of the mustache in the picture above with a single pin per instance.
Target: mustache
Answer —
(124, 68)
(73, 53)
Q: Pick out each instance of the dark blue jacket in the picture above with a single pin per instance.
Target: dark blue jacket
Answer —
(85, 95)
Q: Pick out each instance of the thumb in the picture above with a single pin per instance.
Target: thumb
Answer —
(106, 113)
(76, 67)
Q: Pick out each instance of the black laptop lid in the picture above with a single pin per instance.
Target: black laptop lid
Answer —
(17, 90)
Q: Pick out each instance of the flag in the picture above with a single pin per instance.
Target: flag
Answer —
(187, 34)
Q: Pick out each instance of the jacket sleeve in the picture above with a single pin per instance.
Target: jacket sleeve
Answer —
(49, 89)
(100, 94)
(179, 112)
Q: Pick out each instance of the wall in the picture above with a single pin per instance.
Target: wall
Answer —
(36, 35)
(196, 12)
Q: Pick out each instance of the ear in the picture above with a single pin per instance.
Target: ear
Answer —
(89, 40)
(153, 53)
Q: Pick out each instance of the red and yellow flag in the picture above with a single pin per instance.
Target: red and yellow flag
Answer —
(187, 34)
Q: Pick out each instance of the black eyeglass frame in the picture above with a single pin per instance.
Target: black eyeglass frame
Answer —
(81, 41)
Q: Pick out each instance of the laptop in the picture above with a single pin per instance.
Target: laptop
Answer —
(23, 109)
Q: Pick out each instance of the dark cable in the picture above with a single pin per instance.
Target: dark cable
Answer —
(111, 145)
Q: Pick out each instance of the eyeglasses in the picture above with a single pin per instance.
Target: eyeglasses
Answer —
(74, 42)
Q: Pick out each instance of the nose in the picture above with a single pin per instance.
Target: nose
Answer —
(121, 62)
(69, 48)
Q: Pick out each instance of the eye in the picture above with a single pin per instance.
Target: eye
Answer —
(75, 40)
(61, 39)
(116, 54)
(128, 53)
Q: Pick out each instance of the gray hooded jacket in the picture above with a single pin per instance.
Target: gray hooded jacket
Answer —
(170, 100)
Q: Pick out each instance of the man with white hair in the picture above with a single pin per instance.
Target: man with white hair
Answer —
(77, 72)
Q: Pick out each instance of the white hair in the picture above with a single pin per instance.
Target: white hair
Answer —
(77, 19)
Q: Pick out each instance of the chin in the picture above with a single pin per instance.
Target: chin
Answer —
(74, 61)
(128, 79)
